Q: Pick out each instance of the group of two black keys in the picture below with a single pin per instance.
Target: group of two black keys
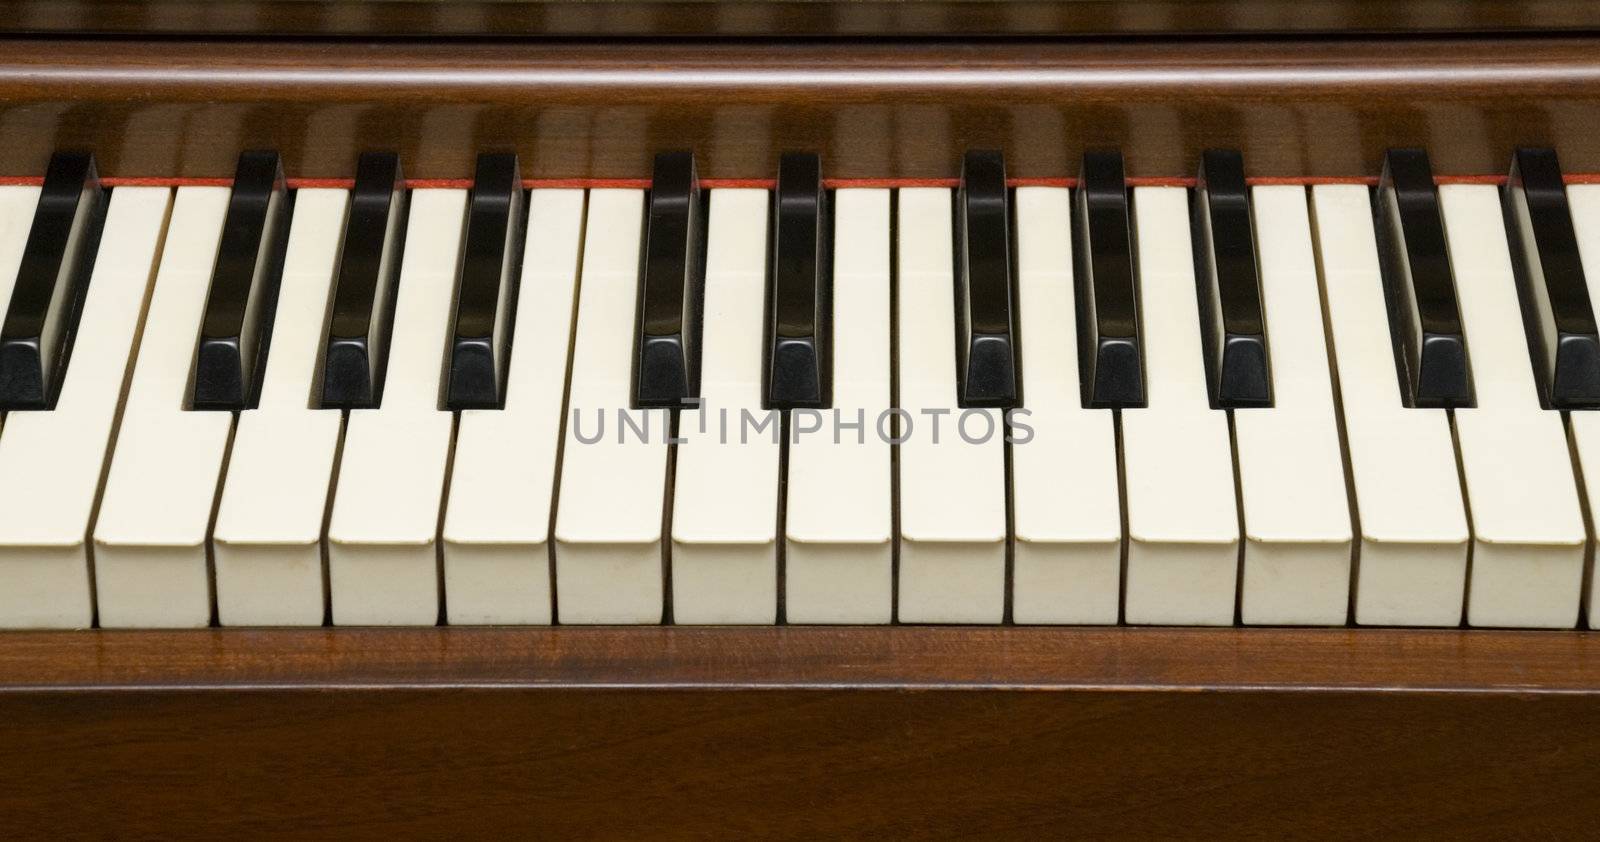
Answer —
(1431, 354)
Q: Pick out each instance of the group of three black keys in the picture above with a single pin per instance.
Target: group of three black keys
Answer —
(235, 334)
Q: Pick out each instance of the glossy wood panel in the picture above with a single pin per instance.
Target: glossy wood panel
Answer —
(618, 764)
(800, 732)
(1296, 108)
(892, 657)
(774, 18)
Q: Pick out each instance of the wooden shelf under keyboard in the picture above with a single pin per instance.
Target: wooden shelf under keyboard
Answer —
(893, 731)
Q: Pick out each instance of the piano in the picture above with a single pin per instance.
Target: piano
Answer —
(918, 419)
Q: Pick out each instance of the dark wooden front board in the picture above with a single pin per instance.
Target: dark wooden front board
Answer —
(899, 732)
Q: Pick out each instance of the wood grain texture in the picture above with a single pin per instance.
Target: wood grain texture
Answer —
(808, 18)
(799, 733)
(873, 110)
(899, 657)
(801, 765)
(897, 732)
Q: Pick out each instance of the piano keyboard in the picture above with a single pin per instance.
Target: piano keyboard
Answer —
(1092, 401)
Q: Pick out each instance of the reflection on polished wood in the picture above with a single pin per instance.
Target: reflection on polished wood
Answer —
(788, 18)
(863, 657)
(892, 732)
(1296, 108)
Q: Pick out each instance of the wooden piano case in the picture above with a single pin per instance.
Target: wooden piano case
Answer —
(897, 732)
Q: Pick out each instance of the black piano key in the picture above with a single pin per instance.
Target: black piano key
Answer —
(363, 299)
(986, 349)
(36, 338)
(799, 352)
(1420, 283)
(1231, 323)
(1555, 295)
(485, 295)
(236, 329)
(1110, 354)
(667, 361)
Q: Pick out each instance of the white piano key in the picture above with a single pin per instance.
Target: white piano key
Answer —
(1412, 561)
(497, 523)
(839, 529)
(725, 484)
(952, 490)
(150, 538)
(383, 559)
(609, 511)
(1296, 508)
(1066, 511)
(17, 206)
(267, 541)
(1527, 528)
(1584, 427)
(1183, 520)
(45, 518)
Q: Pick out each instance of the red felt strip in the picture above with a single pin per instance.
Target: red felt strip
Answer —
(587, 183)
(758, 183)
(1469, 179)
(848, 183)
(1041, 182)
(1160, 181)
(1268, 181)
